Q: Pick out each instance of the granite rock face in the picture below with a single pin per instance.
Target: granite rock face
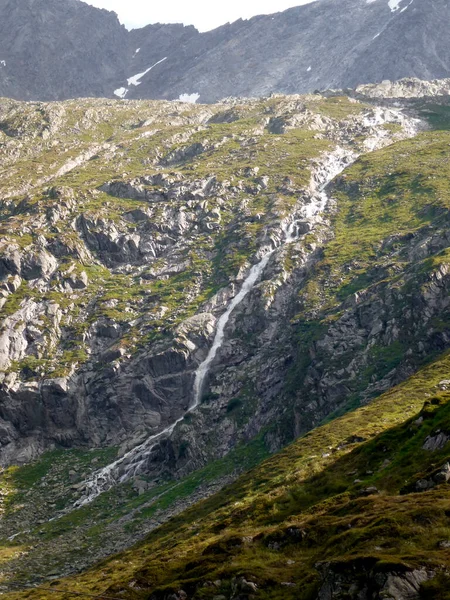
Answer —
(52, 50)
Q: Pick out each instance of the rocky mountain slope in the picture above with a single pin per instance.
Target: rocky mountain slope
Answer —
(57, 49)
(187, 289)
(52, 49)
(130, 239)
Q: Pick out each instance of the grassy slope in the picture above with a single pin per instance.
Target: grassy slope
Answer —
(313, 486)
(387, 202)
(302, 486)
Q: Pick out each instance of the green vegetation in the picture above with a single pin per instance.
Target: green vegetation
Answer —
(383, 199)
(307, 505)
(344, 492)
(339, 107)
(386, 202)
(58, 177)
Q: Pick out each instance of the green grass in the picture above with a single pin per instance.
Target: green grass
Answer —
(303, 506)
(313, 486)
(437, 114)
(386, 202)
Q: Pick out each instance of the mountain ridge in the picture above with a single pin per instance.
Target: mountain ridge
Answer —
(320, 45)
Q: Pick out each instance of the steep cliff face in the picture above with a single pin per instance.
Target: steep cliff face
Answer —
(113, 287)
(52, 50)
(56, 50)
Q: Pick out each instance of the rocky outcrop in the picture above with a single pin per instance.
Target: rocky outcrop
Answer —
(363, 580)
(437, 441)
(442, 475)
(409, 87)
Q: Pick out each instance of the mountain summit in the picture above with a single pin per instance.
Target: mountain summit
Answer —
(52, 50)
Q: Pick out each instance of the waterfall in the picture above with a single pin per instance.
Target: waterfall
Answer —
(202, 371)
(131, 463)
(134, 461)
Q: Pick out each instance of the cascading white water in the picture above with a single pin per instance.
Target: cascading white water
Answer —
(203, 369)
(134, 461)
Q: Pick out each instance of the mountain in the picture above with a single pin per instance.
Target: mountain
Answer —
(58, 49)
(53, 49)
(322, 45)
(187, 290)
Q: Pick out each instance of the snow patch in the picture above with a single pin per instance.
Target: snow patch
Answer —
(121, 92)
(136, 79)
(394, 4)
(309, 69)
(137, 50)
(2, 63)
(189, 98)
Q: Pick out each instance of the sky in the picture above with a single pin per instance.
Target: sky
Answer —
(204, 14)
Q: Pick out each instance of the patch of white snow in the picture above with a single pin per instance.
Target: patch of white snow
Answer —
(121, 92)
(189, 98)
(2, 63)
(135, 80)
(309, 68)
(394, 4)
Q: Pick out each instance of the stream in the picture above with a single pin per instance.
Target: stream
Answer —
(332, 164)
(133, 462)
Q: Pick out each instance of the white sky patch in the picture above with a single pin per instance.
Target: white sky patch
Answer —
(189, 98)
(121, 92)
(204, 14)
(135, 80)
